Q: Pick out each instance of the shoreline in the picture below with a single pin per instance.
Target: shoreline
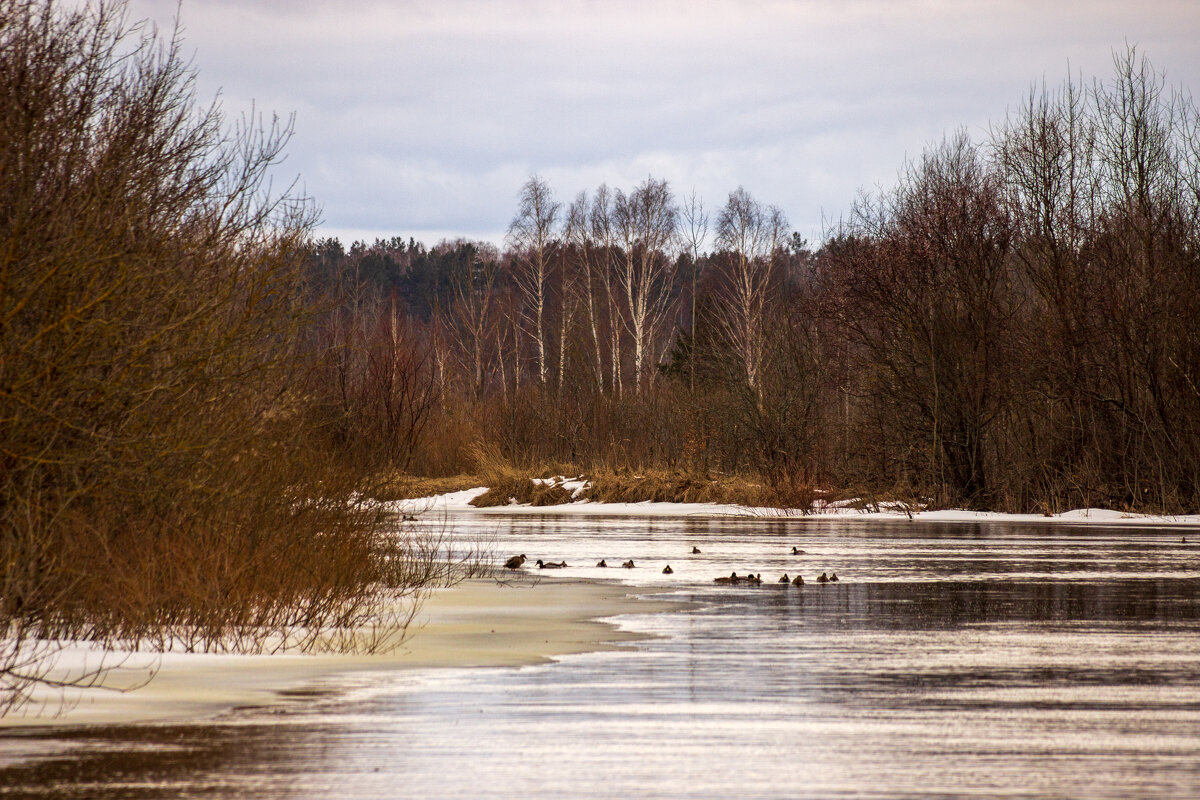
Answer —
(478, 623)
(520, 621)
(459, 503)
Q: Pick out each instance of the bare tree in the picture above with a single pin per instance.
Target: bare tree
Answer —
(589, 266)
(695, 233)
(750, 237)
(532, 235)
(1045, 155)
(925, 291)
(569, 301)
(1146, 243)
(472, 315)
(604, 237)
(645, 223)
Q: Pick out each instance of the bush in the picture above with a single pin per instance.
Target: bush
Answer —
(157, 479)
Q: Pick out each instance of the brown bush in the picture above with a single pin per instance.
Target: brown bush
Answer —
(158, 480)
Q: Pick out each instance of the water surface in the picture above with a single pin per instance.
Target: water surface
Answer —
(951, 660)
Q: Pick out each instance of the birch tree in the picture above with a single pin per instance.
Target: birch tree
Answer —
(531, 234)
(645, 224)
(750, 236)
(604, 238)
(695, 233)
(587, 263)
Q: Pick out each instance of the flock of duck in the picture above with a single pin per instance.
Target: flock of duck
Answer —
(733, 579)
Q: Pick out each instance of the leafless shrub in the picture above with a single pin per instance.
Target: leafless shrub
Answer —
(159, 485)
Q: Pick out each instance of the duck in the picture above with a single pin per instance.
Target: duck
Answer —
(1183, 540)
(601, 563)
(754, 580)
(550, 564)
(784, 579)
(796, 551)
(695, 551)
(799, 581)
(833, 577)
(667, 570)
(628, 564)
(731, 578)
(515, 562)
(822, 578)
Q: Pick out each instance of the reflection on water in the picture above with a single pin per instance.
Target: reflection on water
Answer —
(952, 660)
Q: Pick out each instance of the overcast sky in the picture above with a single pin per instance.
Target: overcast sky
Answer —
(424, 118)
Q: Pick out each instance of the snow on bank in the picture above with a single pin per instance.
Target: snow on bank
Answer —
(460, 502)
(481, 622)
(1080, 516)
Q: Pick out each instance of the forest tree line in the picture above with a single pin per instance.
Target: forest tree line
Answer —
(1014, 324)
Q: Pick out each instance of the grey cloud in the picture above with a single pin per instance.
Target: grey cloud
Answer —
(428, 116)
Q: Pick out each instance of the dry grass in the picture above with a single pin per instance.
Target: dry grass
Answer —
(534, 484)
(522, 490)
(900, 498)
(507, 482)
(673, 487)
(407, 487)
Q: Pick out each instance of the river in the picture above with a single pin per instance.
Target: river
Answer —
(950, 660)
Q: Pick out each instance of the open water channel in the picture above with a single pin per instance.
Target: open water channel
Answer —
(951, 660)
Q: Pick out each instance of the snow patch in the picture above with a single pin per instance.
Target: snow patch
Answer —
(841, 509)
(453, 501)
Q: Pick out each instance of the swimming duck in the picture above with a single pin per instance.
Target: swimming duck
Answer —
(754, 580)
(731, 578)
(785, 579)
(796, 551)
(799, 581)
(695, 551)
(601, 563)
(628, 564)
(833, 577)
(550, 564)
(667, 570)
(823, 578)
(515, 562)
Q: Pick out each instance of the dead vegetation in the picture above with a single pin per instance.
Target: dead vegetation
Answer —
(522, 490)
(159, 483)
(507, 483)
(401, 486)
(673, 487)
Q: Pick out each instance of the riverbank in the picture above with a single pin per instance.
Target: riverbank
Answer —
(479, 623)
(460, 502)
(525, 620)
